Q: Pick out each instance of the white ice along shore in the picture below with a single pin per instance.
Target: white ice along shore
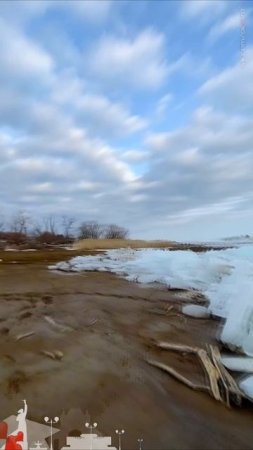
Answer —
(224, 276)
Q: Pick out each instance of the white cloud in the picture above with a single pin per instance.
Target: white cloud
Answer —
(139, 62)
(109, 117)
(85, 186)
(206, 164)
(24, 10)
(104, 117)
(43, 166)
(52, 106)
(230, 23)
(209, 131)
(206, 10)
(64, 172)
(40, 188)
(189, 157)
(163, 104)
(19, 56)
(93, 11)
(232, 89)
(135, 156)
(212, 209)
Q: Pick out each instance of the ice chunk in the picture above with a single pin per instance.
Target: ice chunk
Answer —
(238, 363)
(246, 385)
(200, 312)
(224, 276)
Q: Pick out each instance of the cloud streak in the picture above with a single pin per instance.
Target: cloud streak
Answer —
(91, 123)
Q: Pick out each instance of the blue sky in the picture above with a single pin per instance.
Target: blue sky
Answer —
(134, 112)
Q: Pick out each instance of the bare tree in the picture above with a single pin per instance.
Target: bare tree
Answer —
(115, 232)
(45, 232)
(90, 230)
(2, 222)
(37, 229)
(50, 224)
(20, 222)
(67, 225)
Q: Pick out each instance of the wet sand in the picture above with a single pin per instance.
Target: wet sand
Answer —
(106, 327)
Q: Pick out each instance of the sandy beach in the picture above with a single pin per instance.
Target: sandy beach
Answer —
(105, 328)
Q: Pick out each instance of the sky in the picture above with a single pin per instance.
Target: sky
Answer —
(130, 112)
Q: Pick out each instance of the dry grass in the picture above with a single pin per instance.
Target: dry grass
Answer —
(89, 247)
(40, 256)
(104, 244)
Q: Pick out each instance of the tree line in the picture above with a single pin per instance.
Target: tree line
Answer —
(21, 228)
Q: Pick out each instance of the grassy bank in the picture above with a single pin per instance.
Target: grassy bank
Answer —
(105, 244)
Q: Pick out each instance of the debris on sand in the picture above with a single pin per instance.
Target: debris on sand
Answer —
(57, 325)
(178, 376)
(56, 354)
(24, 335)
(220, 384)
(49, 354)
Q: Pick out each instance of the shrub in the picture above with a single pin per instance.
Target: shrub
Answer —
(90, 230)
(115, 232)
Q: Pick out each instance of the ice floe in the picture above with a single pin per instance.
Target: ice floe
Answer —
(224, 276)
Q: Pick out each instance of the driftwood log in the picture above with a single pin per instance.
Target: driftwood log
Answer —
(220, 384)
(178, 376)
(24, 335)
(229, 383)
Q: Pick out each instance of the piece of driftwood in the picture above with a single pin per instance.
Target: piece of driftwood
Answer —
(177, 347)
(58, 326)
(210, 370)
(56, 354)
(222, 386)
(228, 380)
(24, 335)
(178, 376)
(215, 361)
(49, 354)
